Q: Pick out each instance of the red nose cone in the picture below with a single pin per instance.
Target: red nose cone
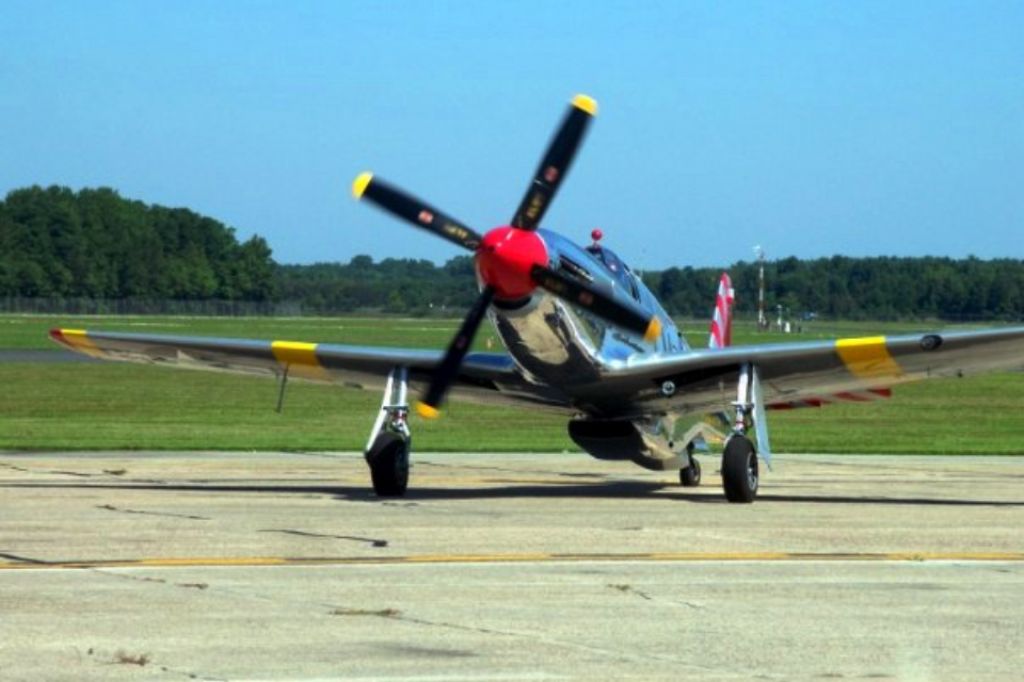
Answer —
(505, 258)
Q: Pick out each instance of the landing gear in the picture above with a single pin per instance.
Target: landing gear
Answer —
(690, 476)
(739, 469)
(387, 451)
(388, 458)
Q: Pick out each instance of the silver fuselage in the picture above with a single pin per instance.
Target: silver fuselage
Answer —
(560, 345)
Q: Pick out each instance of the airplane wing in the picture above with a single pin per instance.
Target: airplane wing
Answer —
(489, 377)
(794, 373)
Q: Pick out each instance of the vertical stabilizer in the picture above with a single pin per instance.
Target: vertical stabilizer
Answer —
(721, 321)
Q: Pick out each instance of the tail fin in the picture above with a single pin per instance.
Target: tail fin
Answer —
(721, 322)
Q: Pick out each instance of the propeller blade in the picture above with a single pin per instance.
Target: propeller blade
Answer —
(555, 164)
(597, 302)
(415, 211)
(429, 406)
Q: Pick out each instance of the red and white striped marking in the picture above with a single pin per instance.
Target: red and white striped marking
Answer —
(867, 395)
(721, 321)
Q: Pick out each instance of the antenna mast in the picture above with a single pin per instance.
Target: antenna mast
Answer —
(762, 321)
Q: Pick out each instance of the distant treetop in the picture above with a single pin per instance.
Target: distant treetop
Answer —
(94, 243)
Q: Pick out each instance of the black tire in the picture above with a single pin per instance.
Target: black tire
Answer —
(690, 476)
(739, 470)
(389, 465)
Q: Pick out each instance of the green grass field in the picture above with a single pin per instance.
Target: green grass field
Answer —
(30, 331)
(116, 406)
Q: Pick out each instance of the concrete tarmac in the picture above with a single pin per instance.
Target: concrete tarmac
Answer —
(268, 566)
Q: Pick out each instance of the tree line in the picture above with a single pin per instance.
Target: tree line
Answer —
(95, 244)
(840, 287)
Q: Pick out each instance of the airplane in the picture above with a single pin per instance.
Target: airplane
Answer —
(583, 337)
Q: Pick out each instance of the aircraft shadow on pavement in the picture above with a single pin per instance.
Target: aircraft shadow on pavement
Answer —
(603, 489)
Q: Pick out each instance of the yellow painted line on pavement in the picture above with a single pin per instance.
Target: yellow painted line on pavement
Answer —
(215, 561)
(526, 557)
(476, 558)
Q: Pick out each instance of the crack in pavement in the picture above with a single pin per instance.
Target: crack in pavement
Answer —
(373, 542)
(12, 467)
(377, 613)
(22, 559)
(128, 576)
(192, 517)
(64, 472)
(121, 657)
(146, 579)
(61, 472)
(192, 676)
(629, 589)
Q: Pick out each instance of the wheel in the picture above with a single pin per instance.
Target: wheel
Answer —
(389, 464)
(690, 476)
(739, 470)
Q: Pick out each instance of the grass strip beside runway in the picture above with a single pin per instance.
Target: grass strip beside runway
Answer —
(127, 407)
(110, 406)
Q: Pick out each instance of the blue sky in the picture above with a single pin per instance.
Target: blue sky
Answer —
(813, 128)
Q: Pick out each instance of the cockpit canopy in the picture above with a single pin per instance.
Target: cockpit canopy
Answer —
(619, 270)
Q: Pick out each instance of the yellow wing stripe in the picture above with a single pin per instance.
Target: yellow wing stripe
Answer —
(299, 359)
(867, 357)
(295, 353)
(79, 340)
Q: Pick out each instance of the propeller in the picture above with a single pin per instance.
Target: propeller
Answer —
(512, 261)
(445, 373)
(596, 302)
(415, 211)
(555, 164)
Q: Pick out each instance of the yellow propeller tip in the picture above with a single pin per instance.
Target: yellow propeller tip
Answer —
(360, 184)
(426, 411)
(586, 103)
(653, 330)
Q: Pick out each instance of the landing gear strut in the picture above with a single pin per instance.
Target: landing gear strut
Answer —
(387, 451)
(740, 471)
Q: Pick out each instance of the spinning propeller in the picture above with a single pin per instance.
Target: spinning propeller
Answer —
(512, 260)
